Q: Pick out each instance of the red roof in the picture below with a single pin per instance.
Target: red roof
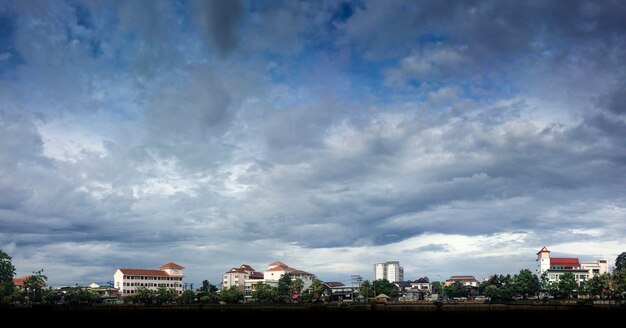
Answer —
(544, 249)
(564, 261)
(144, 272)
(246, 267)
(237, 270)
(256, 275)
(171, 265)
(19, 282)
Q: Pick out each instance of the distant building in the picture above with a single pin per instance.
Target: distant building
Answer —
(414, 290)
(238, 276)
(390, 270)
(19, 282)
(555, 267)
(465, 280)
(170, 276)
(273, 273)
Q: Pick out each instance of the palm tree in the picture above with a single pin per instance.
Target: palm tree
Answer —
(296, 286)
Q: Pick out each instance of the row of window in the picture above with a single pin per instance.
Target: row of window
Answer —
(153, 278)
(150, 284)
(132, 291)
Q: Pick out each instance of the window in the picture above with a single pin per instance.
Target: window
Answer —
(596, 270)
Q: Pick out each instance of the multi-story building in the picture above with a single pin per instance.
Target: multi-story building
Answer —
(273, 273)
(170, 276)
(555, 267)
(238, 276)
(390, 270)
(465, 280)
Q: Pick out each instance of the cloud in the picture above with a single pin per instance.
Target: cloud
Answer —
(455, 137)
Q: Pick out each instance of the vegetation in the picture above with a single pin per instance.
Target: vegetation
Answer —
(284, 289)
(265, 293)
(383, 286)
(208, 287)
(231, 295)
(365, 290)
(455, 289)
(7, 271)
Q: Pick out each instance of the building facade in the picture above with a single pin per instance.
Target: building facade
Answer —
(238, 276)
(273, 273)
(390, 270)
(465, 280)
(555, 267)
(128, 281)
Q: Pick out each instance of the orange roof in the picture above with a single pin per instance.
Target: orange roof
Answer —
(19, 282)
(171, 265)
(279, 264)
(278, 268)
(144, 272)
(565, 262)
(544, 249)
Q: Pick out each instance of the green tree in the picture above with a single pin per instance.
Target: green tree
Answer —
(50, 296)
(231, 295)
(296, 286)
(598, 285)
(567, 284)
(620, 261)
(210, 298)
(79, 295)
(455, 289)
(208, 287)
(284, 288)
(526, 283)
(164, 295)
(619, 282)
(7, 272)
(383, 286)
(317, 289)
(492, 292)
(144, 295)
(265, 293)
(365, 290)
(33, 285)
(437, 287)
(188, 297)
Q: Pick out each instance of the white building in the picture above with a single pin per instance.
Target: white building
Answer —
(390, 270)
(555, 267)
(170, 276)
(273, 273)
(238, 276)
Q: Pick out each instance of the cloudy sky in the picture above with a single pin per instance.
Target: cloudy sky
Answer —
(456, 137)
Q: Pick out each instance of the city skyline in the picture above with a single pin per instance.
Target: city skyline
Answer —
(456, 137)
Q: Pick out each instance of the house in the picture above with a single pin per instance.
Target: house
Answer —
(465, 280)
(414, 290)
(19, 282)
(555, 267)
(390, 270)
(238, 276)
(128, 281)
(340, 292)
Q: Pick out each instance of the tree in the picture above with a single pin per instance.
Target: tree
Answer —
(383, 286)
(491, 291)
(208, 287)
(79, 295)
(365, 290)
(7, 271)
(567, 284)
(187, 297)
(620, 261)
(526, 283)
(210, 298)
(317, 288)
(265, 293)
(296, 286)
(231, 295)
(50, 296)
(164, 295)
(437, 287)
(619, 281)
(144, 295)
(455, 289)
(34, 284)
(284, 288)
(598, 285)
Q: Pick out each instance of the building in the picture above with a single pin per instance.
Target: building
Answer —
(555, 267)
(390, 270)
(273, 273)
(465, 280)
(238, 276)
(128, 281)
(19, 282)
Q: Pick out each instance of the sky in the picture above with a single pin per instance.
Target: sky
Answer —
(457, 137)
